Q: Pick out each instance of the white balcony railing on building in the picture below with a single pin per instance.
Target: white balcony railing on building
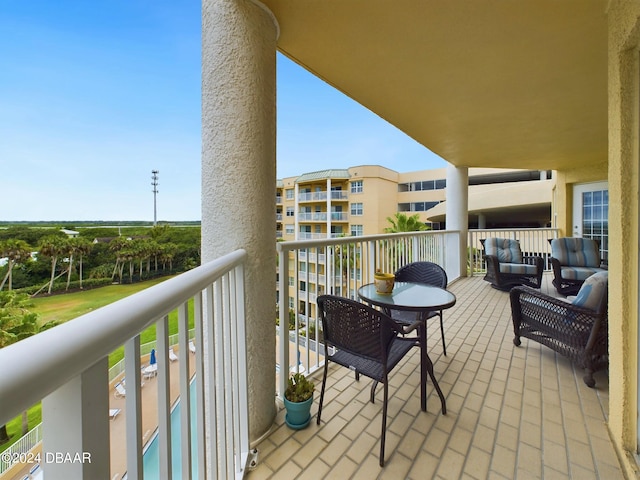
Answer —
(312, 216)
(311, 236)
(533, 241)
(339, 195)
(67, 368)
(347, 263)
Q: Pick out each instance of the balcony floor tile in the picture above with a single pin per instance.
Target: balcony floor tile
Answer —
(513, 412)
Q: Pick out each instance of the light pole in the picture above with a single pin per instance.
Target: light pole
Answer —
(154, 184)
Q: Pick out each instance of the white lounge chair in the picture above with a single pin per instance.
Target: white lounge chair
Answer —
(172, 355)
(192, 347)
(113, 413)
(120, 392)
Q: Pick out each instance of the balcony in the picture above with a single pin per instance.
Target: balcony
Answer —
(512, 412)
(336, 195)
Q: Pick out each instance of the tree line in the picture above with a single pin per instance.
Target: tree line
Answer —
(43, 260)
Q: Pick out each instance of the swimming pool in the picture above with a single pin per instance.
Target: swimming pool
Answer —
(151, 458)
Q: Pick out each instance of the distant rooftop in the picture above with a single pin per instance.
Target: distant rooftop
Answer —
(323, 174)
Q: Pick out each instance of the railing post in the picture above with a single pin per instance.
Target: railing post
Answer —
(76, 427)
(283, 264)
(133, 405)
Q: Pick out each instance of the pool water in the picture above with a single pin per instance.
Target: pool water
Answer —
(151, 459)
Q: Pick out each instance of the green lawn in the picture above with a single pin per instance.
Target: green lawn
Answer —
(65, 307)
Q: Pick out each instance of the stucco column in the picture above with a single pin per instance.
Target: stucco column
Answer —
(457, 198)
(239, 172)
(482, 221)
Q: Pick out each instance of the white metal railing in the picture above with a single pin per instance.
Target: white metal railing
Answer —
(533, 241)
(341, 266)
(19, 451)
(339, 195)
(67, 368)
(145, 349)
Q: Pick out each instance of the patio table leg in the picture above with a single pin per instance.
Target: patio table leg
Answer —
(426, 367)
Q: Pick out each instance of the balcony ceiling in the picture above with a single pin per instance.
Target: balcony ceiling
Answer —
(512, 84)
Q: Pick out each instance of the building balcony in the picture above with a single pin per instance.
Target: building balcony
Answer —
(312, 216)
(513, 412)
(339, 195)
(335, 195)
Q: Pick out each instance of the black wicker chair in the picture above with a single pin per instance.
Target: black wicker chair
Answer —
(577, 332)
(364, 340)
(507, 267)
(428, 273)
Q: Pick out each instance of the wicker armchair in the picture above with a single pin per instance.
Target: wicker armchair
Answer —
(577, 330)
(507, 267)
(574, 260)
(428, 273)
(364, 340)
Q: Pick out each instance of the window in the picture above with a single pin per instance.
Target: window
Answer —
(416, 206)
(290, 212)
(357, 230)
(289, 229)
(356, 186)
(289, 193)
(356, 209)
(291, 304)
(291, 282)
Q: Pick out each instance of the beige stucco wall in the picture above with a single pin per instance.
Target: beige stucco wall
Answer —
(563, 201)
(239, 170)
(379, 197)
(624, 43)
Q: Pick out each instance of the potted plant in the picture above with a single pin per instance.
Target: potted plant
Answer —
(298, 398)
(384, 282)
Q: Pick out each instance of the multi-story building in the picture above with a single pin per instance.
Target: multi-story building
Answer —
(358, 200)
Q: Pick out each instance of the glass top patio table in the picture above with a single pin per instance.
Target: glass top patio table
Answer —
(420, 298)
(409, 296)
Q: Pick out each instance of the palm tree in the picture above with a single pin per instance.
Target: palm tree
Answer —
(118, 246)
(17, 251)
(168, 252)
(76, 246)
(83, 247)
(398, 248)
(402, 223)
(53, 246)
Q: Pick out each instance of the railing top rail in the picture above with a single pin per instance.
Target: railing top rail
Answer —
(43, 362)
(297, 244)
(509, 229)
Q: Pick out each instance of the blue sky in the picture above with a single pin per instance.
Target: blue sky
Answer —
(95, 95)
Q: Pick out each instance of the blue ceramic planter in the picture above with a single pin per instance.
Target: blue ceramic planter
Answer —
(298, 413)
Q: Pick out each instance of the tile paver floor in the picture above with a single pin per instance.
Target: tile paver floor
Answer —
(512, 412)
